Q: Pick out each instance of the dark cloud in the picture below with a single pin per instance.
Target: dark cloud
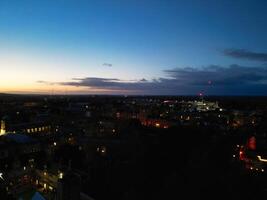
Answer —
(232, 75)
(213, 79)
(109, 83)
(93, 82)
(143, 80)
(245, 54)
(107, 64)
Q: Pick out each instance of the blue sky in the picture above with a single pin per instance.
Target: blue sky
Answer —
(62, 45)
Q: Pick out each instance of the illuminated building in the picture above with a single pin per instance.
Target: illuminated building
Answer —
(158, 123)
(3, 127)
(204, 106)
(29, 128)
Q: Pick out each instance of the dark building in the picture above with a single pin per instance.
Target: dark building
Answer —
(69, 187)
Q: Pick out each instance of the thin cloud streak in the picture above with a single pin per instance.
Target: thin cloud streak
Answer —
(107, 64)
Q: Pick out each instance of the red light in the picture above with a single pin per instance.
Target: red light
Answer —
(241, 155)
(251, 144)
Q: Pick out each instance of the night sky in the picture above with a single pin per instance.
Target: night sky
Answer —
(143, 47)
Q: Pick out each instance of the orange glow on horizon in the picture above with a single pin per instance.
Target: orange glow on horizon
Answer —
(58, 89)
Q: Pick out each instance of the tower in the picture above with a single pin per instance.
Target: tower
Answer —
(3, 127)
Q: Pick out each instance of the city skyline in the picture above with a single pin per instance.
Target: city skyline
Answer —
(133, 47)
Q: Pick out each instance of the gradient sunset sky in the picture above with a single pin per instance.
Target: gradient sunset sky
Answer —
(142, 47)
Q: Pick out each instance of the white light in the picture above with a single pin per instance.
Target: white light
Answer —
(1, 176)
(261, 159)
